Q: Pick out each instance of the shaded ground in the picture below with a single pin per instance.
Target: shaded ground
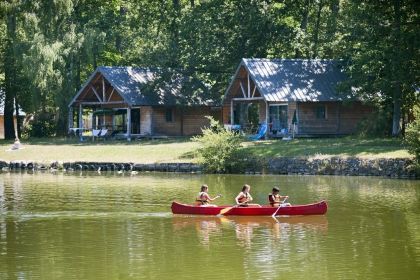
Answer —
(182, 149)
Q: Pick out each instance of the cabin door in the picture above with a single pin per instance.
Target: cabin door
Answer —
(278, 119)
(135, 121)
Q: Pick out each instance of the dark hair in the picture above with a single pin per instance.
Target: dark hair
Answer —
(276, 189)
(203, 187)
(246, 186)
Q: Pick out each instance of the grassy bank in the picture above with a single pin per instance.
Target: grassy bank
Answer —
(182, 149)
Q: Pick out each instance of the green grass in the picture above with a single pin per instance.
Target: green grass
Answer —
(341, 147)
(141, 151)
(182, 149)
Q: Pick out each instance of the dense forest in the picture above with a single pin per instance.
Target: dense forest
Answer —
(49, 48)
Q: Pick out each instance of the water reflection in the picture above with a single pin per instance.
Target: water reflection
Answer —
(109, 226)
(244, 227)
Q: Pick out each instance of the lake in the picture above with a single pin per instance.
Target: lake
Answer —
(112, 226)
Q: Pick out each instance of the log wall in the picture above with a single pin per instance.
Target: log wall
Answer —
(146, 120)
(340, 118)
(192, 120)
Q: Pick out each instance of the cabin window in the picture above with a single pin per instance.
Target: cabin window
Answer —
(321, 112)
(278, 118)
(169, 115)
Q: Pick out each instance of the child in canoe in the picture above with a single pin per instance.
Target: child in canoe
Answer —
(203, 197)
(275, 199)
(244, 197)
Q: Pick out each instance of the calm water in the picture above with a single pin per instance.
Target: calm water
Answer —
(120, 227)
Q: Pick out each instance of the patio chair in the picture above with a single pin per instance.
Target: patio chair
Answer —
(103, 133)
(95, 133)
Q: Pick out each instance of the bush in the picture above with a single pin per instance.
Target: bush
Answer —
(378, 124)
(412, 135)
(43, 125)
(220, 149)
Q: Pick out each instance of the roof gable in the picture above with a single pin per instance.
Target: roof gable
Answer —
(280, 80)
(147, 87)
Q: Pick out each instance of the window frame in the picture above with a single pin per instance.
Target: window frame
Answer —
(318, 112)
(169, 115)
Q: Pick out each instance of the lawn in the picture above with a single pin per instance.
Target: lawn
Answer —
(182, 149)
(141, 151)
(327, 147)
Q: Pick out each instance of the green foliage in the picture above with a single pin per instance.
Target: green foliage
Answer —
(43, 125)
(220, 148)
(412, 135)
(378, 124)
(56, 45)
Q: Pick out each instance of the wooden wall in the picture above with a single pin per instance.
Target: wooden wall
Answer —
(193, 120)
(146, 120)
(1, 126)
(340, 118)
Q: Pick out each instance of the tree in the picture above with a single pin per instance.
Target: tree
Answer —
(381, 53)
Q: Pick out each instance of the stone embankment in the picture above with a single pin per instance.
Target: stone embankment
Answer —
(396, 168)
(100, 166)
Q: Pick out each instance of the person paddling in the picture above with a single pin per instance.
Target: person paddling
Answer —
(244, 197)
(275, 199)
(203, 197)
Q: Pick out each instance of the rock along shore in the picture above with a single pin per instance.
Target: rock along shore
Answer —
(395, 168)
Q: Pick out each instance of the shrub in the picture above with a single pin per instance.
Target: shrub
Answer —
(42, 125)
(412, 135)
(378, 124)
(220, 148)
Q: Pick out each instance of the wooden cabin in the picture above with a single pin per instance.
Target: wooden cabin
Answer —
(135, 102)
(293, 96)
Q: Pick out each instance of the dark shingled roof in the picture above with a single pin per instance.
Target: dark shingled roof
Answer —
(147, 87)
(295, 79)
(128, 81)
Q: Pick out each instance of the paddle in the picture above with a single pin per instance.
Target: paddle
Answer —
(225, 210)
(280, 206)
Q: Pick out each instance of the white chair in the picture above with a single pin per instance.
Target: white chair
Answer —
(103, 133)
(95, 133)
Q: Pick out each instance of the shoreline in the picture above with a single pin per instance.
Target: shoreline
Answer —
(351, 166)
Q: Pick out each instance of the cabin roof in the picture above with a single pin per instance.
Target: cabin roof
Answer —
(141, 86)
(280, 80)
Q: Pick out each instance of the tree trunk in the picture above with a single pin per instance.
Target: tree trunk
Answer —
(316, 31)
(332, 27)
(396, 116)
(303, 24)
(18, 128)
(10, 75)
(174, 34)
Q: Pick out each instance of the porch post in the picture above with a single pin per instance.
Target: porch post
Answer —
(267, 109)
(70, 117)
(80, 122)
(80, 116)
(231, 113)
(129, 123)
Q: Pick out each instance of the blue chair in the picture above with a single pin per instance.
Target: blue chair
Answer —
(260, 134)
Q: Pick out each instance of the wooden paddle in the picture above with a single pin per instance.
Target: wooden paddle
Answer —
(280, 206)
(225, 210)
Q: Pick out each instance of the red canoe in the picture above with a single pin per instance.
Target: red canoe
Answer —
(319, 208)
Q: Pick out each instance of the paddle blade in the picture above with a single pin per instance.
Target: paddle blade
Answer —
(225, 210)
